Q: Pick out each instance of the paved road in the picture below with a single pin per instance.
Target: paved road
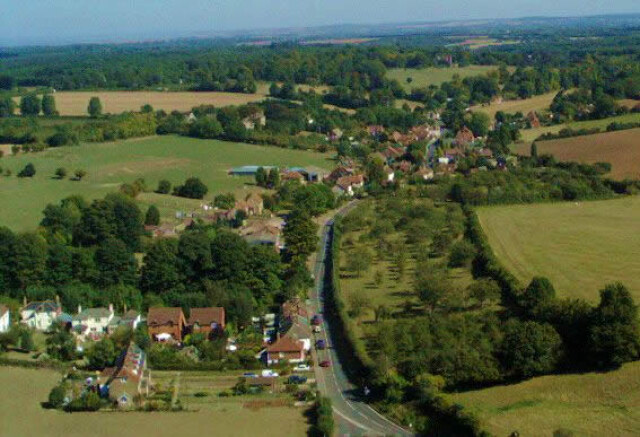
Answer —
(354, 417)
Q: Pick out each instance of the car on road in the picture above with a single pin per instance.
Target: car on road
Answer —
(316, 320)
(302, 368)
(250, 375)
(297, 379)
(321, 344)
(325, 363)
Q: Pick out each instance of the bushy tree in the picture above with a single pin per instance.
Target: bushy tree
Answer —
(61, 173)
(614, 336)
(529, 348)
(28, 171)
(193, 188)
(30, 105)
(95, 107)
(152, 217)
(538, 295)
(224, 201)
(164, 187)
(300, 234)
(101, 354)
(61, 344)
(49, 105)
(461, 254)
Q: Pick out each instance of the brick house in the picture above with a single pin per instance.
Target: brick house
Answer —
(165, 323)
(206, 320)
(285, 349)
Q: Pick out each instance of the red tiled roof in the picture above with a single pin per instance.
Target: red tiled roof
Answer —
(285, 344)
(163, 316)
(207, 316)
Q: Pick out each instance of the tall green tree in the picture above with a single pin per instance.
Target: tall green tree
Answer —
(614, 335)
(115, 263)
(529, 348)
(49, 105)
(95, 107)
(261, 177)
(152, 217)
(159, 272)
(300, 234)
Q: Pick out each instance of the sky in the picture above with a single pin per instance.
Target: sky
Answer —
(27, 22)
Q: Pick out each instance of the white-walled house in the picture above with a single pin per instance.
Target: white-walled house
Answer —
(40, 315)
(92, 322)
(5, 318)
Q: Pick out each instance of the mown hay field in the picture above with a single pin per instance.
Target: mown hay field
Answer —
(21, 415)
(423, 77)
(579, 246)
(621, 149)
(108, 165)
(115, 102)
(535, 103)
(591, 404)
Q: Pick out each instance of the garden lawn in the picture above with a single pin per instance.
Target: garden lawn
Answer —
(22, 416)
(108, 165)
(579, 246)
(591, 404)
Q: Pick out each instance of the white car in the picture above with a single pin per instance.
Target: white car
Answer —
(302, 368)
(269, 374)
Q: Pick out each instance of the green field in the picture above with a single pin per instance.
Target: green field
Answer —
(592, 404)
(110, 164)
(536, 103)
(529, 135)
(424, 77)
(22, 416)
(579, 246)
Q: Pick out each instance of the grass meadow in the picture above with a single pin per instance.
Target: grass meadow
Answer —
(108, 165)
(23, 390)
(424, 77)
(579, 246)
(535, 103)
(591, 404)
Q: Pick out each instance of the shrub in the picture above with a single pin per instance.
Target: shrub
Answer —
(193, 188)
(56, 396)
(462, 252)
(28, 171)
(164, 187)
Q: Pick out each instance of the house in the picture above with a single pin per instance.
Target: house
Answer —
(92, 322)
(129, 379)
(297, 331)
(163, 230)
(404, 166)
(533, 120)
(484, 153)
(425, 173)
(375, 130)
(389, 174)
(41, 314)
(251, 205)
(166, 323)
(288, 175)
(256, 119)
(264, 233)
(285, 349)
(5, 318)
(335, 134)
(464, 137)
(391, 154)
(339, 172)
(206, 320)
(346, 184)
(130, 319)
(454, 154)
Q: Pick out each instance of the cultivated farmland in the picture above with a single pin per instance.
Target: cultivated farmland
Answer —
(592, 404)
(579, 246)
(536, 103)
(21, 414)
(424, 77)
(110, 164)
(116, 102)
(621, 149)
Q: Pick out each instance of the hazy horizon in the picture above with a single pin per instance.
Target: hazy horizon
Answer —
(40, 22)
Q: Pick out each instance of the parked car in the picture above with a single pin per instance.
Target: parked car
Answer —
(297, 379)
(302, 368)
(325, 363)
(317, 329)
(316, 320)
(321, 344)
(269, 373)
(250, 375)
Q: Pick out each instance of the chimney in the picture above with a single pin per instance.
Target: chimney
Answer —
(79, 309)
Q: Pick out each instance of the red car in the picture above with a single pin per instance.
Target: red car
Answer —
(325, 363)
